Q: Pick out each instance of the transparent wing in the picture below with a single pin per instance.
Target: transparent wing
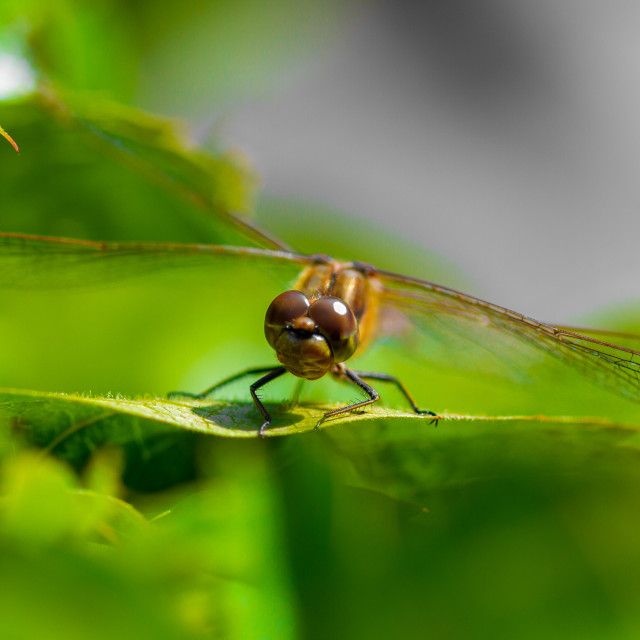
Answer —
(464, 332)
(437, 324)
(42, 262)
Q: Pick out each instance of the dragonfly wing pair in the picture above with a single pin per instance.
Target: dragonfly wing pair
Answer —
(439, 325)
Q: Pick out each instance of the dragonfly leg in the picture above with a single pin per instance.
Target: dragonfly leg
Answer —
(384, 377)
(274, 373)
(222, 383)
(343, 372)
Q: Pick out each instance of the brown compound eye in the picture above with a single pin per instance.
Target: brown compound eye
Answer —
(337, 324)
(282, 311)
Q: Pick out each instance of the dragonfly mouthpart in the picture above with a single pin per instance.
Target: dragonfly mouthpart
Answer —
(303, 324)
(304, 354)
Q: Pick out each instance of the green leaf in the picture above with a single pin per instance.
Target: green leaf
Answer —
(222, 186)
(193, 567)
(68, 589)
(34, 409)
(132, 171)
(40, 410)
(42, 504)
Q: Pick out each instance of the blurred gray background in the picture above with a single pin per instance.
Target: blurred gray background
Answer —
(505, 136)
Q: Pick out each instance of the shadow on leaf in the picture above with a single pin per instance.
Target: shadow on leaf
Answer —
(243, 416)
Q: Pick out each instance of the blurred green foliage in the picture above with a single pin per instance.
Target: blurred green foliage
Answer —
(120, 526)
(178, 58)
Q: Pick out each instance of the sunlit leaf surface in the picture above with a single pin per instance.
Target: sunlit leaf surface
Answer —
(39, 409)
(222, 418)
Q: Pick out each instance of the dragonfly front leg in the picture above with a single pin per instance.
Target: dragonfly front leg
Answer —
(272, 375)
(343, 372)
(218, 385)
(384, 377)
(357, 378)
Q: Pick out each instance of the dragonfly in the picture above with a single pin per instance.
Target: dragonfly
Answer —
(330, 311)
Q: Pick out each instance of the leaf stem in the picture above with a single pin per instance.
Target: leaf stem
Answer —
(4, 134)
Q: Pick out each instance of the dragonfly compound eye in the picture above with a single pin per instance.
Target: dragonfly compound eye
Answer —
(337, 324)
(283, 311)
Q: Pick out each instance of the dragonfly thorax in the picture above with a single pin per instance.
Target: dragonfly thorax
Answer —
(310, 336)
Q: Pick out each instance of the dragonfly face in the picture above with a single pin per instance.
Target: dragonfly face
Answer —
(310, 336)
(328, 316)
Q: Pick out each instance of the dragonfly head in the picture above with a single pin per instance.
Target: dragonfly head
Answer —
(310, 336)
